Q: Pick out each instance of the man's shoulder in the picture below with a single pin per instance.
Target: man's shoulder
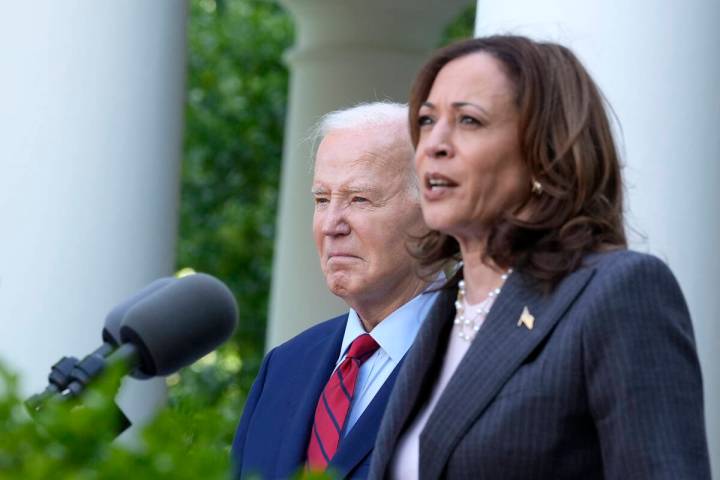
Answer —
(316, 333)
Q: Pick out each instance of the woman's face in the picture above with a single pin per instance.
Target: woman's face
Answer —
(468, 157)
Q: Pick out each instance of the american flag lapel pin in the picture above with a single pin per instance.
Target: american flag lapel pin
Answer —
(526, 319)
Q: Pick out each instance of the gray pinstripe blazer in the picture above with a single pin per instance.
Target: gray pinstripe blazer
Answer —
(606, 385)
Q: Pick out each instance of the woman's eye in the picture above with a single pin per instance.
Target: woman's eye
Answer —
(468, 120)
(424, 120)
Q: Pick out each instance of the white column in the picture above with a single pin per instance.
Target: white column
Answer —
(658, 65)
(91, 122)
(345, 52)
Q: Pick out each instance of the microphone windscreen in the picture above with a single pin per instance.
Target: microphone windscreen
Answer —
(178, 324)
(113, 320)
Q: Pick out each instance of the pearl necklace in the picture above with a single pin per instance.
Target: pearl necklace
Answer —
(469, 326)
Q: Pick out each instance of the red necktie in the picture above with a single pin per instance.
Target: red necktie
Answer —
(334, 404)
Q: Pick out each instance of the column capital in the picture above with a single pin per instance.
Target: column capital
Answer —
(409, 26)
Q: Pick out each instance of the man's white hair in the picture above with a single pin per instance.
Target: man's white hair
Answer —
(392, 115)
(375, 114)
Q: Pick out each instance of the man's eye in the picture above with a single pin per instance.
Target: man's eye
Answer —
(320, 200)
(357, 199)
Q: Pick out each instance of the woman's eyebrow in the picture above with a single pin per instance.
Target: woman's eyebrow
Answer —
(470, 104)
(431, 106)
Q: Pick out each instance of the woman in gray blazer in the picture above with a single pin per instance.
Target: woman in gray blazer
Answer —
(554, 352)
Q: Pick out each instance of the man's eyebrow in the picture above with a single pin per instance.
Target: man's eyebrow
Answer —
(348, 190)
(361, 188)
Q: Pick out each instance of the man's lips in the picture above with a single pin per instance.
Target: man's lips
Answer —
(340, 255)
(437, 185)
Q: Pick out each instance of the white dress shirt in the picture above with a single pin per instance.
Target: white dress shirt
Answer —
(394, 334)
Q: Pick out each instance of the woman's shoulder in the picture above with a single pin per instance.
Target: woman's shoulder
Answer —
(630, 276)
(626, 262)
(631, 295)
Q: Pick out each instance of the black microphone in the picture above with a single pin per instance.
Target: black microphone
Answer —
(167, 325)
(69, 369)
(162, 329)
(178, 324)
(93, 364)
(171, 328)
(113, 320)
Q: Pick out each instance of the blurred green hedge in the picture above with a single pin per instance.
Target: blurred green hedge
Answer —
(72, 440)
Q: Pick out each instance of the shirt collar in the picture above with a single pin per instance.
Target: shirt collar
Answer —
(396, 332)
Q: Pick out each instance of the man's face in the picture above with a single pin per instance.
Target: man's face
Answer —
(364, 212)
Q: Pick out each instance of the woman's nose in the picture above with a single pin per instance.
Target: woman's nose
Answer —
(438, 143)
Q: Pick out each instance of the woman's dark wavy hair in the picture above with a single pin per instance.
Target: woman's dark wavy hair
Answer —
(567, 145)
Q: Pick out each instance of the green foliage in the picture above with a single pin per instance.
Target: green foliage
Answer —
(235, 113)
(460, 28)
(73, 439)
(237, 88)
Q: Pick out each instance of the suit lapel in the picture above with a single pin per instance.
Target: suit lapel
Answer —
(412, 379)
(498, 350)
(360, 440)
(318, 361)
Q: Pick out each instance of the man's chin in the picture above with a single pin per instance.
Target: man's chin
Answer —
(339, 285)
(339, 290)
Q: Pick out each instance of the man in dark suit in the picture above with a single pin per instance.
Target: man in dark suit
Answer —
(318, 399)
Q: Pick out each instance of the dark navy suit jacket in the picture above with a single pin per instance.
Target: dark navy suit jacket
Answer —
(272, 438)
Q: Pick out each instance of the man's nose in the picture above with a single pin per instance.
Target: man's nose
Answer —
(335, 222)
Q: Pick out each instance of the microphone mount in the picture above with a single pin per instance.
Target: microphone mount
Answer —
(69, 378)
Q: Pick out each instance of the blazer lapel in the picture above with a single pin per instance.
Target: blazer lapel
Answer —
(318, 361)
(360, 440)
(498, 350)
(414, 378)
